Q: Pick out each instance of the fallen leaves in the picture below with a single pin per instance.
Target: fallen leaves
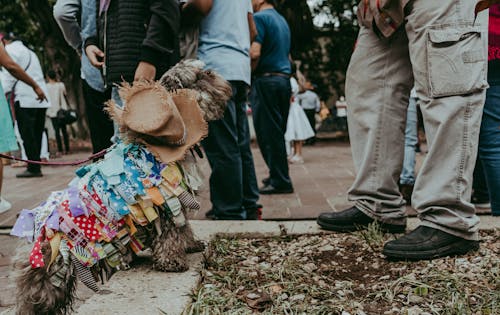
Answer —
(341, 273)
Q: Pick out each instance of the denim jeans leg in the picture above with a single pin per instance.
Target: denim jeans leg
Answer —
(249, 179)
(223, 153)
(411, 138)
(270, 106)
(489, 146)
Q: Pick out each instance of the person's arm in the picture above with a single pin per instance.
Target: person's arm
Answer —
(161, 38)
(65, 14)
(202, 7)
(317, 103)
(16, 71)
(256, 47)
(251, 27)
(255, 51)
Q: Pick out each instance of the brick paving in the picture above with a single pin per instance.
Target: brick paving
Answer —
(321, 184)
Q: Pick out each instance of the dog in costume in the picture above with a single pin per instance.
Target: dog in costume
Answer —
(131, 202)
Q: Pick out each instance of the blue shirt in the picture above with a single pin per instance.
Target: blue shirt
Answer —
(224, 42)
(274, 36)
(89, 73)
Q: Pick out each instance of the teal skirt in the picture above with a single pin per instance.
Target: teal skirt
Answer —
(7, 136)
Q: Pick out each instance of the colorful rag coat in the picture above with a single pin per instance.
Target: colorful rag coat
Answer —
(111, 209)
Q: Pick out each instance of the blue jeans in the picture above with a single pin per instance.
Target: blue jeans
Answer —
(233, 184)
(270, 99)
(411, 139)
(489, 149)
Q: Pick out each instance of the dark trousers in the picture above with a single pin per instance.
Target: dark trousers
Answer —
(270, 100)
(233, 184)
(486, 181)
(31, 123)
(100, 125)
(59, 129)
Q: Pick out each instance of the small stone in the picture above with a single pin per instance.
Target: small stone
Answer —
(253, 296)
(309, 267)
(345, 313)
(326, 248)
(415, 299)
(297, 297)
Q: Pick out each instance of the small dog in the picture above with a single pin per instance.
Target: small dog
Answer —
(133, 201)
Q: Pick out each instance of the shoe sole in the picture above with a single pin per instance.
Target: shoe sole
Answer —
(482, 205)
(359, 227)
(455, 249)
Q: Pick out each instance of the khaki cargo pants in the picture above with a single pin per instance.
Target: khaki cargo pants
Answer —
(443, 52)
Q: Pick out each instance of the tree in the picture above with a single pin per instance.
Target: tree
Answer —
(324, 48)
(33, 22)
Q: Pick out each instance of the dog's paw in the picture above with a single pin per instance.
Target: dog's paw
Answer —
(176, 264)
(195, 247)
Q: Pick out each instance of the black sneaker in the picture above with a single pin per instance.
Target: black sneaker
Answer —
(480, 201)
(271, 190)
(255, 214)
(28, 174)
(210, 215)
(351, 220)
(427, 243)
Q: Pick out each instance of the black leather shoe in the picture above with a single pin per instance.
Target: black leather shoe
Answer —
(266, 181)
(270, 190)
(427, 243)
(28, 174)
(210, 214)
(255, 214)
(351, 220)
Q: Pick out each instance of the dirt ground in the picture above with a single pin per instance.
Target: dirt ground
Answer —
(343, 274)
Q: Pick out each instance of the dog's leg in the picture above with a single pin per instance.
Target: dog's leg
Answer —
(36, 293)
(192, 245)
(169, 251)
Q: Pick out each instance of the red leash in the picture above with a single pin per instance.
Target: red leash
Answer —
(73, 163)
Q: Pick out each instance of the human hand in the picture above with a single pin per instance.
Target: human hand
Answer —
(145, 71)
(40, 94)
(95, 55)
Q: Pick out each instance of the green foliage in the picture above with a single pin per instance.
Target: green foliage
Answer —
(325, 50)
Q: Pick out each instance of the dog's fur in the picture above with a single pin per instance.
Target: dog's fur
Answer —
(36, 293)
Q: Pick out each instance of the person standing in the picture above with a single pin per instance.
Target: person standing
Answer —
(57, 99)
(309, 101)
(76, 31)
(135, 40)
(271, 92)
(224, 44)
(440, 47)
(407, 177)
(8, 139)
(30, 112)
(487, 173)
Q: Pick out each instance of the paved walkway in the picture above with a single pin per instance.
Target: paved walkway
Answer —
(321, 184)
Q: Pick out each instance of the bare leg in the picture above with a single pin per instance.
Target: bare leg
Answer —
(298, 148)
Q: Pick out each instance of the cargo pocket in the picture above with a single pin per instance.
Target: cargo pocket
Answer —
(456, 61)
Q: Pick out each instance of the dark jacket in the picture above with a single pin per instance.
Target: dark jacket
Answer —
(137, 30)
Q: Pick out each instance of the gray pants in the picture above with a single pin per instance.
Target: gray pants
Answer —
(443, 52)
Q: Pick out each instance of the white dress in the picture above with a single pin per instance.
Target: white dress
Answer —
(297, 127)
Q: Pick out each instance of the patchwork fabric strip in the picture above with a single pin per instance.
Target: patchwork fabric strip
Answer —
(109, 211)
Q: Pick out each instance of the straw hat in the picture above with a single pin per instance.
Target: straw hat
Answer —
(168, 123)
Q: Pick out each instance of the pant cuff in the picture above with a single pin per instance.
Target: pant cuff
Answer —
(396, 219)
(471, 236)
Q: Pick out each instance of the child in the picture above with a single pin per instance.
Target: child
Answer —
(298, 128)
